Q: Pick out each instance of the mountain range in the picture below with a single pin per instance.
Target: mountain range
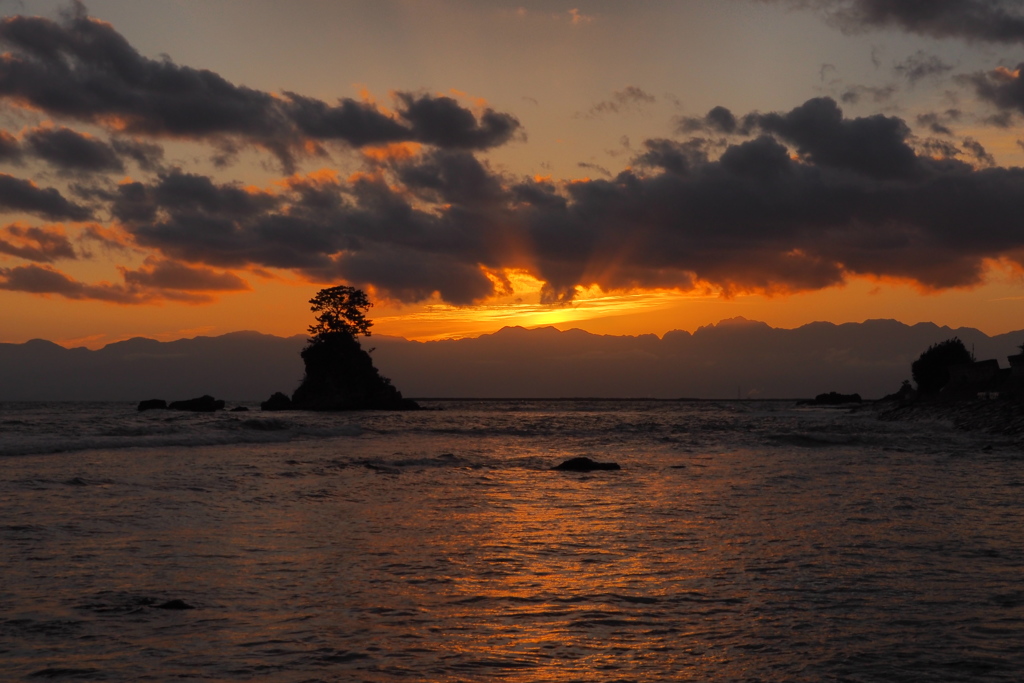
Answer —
(730, 359)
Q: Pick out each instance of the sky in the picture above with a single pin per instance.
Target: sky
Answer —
(172, 169)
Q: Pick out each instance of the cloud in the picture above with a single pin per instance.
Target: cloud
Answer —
(1002, 88)
(814, 199)
(999, 21)
(718, 120)
(158, 280)
(936, 123)
(629, 98)
(441, 121)
(35, 279)
(875, 146)
(43, 245)
(920, 65)
(147, 155)
(594, 167)
(978, 152)
(939, 149)
(945, 149)
(72, 151)
(17, 194)
(672, 156)
(82, 69)
(10, 148)
(777, 201)
(165, 274)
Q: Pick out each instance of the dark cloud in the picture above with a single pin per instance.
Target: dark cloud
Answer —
(451, 178)
(1004, 89)
(349, 121)
(157, 280)
(10, 148)
(978, 152)
(858, 200)
(172, 275)
(146, 155)
(43, 245)
(875, 146)
(443, 122)
(629, 98)
(672, 156)
(920, 65)
(763, 159)
(35, 279)
(404, 274)
(594, 167)
(935, 123)
(779, 201)
(23, 196)
(1000, 21)
(718, 120)
(72, 151)
(939, 149)
(82, 69)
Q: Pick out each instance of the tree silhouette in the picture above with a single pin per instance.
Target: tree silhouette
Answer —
(340, 309)
(931, 370)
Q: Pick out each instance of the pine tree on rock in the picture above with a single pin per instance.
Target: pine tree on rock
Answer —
(340, 374)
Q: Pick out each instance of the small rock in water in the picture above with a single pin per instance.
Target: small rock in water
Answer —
(153, 404)
(203, 404)
(239, 409)
(585, 465)
(174, 604)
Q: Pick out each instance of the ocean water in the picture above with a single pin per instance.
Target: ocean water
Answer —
(741, 541)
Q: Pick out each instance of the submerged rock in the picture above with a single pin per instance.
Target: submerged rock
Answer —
(340, 376)
(833, 398)
(153, 404)
(203, 404)
(239, 409)
(277, 401)
(585, 465)
(174, 604)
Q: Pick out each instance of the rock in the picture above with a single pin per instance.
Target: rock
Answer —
(585, 465)
(833, 398)
(239, 409)
(174, 604)
(203, 404)
(277, 401)
(153, 404)
(340, 376)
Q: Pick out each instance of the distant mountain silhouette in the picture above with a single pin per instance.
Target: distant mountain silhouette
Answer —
(716, 361)
(235, 366)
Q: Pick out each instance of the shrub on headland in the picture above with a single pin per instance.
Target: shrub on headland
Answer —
(931, 369)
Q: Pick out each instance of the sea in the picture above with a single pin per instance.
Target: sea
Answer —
(740, 541)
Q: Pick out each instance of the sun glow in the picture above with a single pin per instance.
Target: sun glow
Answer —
(520, 306)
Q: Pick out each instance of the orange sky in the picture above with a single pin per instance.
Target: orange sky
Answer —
(279, 307)
(588, 89)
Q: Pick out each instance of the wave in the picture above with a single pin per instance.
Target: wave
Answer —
(130, 431)
(814, 440)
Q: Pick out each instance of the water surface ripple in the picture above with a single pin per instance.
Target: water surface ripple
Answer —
(741, 541)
